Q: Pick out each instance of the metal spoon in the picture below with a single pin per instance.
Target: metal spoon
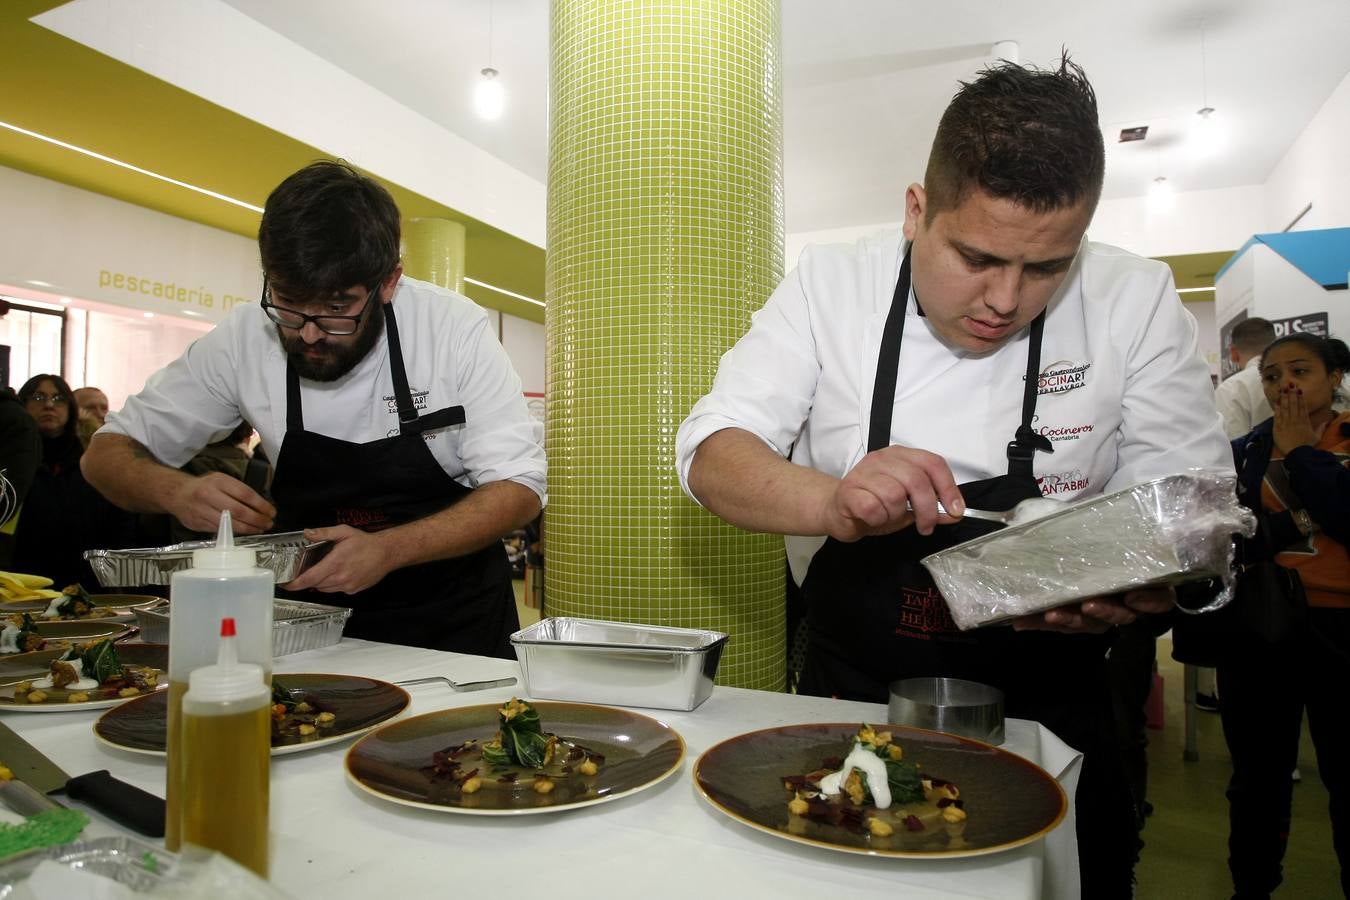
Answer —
(1028, 510)
(459, 685)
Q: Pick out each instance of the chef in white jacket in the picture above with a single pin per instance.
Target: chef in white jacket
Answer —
(988, 354)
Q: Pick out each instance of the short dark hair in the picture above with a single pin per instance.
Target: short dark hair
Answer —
(327, 228)
(1252, 335)
(30, 388)
(1333, 352)
(1022, 134)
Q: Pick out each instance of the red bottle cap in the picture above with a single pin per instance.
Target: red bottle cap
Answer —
(227, 627)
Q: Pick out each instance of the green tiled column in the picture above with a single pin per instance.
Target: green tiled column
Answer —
(433, 250)
(665, 232)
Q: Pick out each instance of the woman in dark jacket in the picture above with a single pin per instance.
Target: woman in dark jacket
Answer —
(62, 516)
(1294, 473)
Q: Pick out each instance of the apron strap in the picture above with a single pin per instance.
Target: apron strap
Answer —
(295, 416)
(1022, 449)
(408, 420)
(888, 363)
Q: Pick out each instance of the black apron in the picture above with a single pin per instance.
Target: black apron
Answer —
(874, 614)
(464, 604)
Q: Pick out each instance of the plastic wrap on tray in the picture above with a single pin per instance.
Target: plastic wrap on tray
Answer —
(1166, 531)
(287, 554)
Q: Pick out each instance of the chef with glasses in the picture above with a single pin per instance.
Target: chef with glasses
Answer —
(389, 407)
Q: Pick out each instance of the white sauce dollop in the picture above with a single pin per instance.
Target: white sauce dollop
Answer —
(84, 684)
(50, 612)
(1034, 508)
(873, 769)
(9, 639)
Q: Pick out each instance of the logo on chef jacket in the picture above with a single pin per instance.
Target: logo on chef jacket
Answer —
(1057, 433)
(1062, 377)
(1057, 484)
(419, 399)
(923, 613)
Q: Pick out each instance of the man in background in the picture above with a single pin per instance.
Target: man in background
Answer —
(1240, 397)
(92, 403)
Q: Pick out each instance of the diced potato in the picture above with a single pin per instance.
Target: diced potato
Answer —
(953, 814)
(879, 828)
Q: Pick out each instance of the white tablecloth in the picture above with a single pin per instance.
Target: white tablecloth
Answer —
(332, 840)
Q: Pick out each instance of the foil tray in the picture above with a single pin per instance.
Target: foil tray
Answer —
(296, 625)
(618, 663)
(287, 554)
(1166, 531)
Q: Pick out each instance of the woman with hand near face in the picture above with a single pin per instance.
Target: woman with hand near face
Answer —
(62, 516)
(1294, 473)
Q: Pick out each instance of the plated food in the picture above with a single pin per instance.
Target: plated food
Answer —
(306, 700)
(89, 675)
(802, 783)
(20, 633)
(521, 754)
(527, 758)
(873, 789)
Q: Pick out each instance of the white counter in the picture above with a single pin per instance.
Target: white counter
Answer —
(332, 840)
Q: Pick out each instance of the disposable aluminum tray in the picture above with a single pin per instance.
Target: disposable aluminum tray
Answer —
(287, 554)
(296, 626)
(618, 662)
(1166, 531)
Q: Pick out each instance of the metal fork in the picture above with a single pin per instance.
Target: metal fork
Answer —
(459, 685)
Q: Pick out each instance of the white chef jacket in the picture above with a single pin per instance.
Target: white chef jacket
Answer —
(1242, 400)
(452, 357)
(1123, 394)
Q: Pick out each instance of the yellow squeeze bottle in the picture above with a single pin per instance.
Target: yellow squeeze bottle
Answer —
(227, 752)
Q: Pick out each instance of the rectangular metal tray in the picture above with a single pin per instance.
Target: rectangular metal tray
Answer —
(619, 663)
(296, 625)
(287, 554)
(1166, 531)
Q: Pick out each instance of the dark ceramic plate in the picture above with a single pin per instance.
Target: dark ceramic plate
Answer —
(1008, 800)
(359, 704)
(394, 763)
(28, 666)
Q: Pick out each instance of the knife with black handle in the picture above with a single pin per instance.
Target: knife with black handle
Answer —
(36, 776)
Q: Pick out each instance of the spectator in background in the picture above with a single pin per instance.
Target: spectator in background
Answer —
(20, 453)
(234, 456)
(1241, 398)
(92, 403)
(63, 515)
(93, 406)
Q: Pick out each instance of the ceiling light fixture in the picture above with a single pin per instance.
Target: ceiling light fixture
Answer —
(1161, 196)
(126, 165)
(1205, 137)
(489, 97)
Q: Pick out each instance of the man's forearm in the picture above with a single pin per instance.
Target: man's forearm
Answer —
(127, 473)
(488, 514)
(737, 476)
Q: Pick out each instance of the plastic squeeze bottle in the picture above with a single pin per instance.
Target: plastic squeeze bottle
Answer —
(226, 752)
(224, 581)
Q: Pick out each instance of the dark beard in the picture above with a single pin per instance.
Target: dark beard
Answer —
(335, 361)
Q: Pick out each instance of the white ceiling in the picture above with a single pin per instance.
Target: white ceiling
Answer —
(865, 80)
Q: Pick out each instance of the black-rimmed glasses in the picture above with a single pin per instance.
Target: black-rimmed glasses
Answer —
(294, 320)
